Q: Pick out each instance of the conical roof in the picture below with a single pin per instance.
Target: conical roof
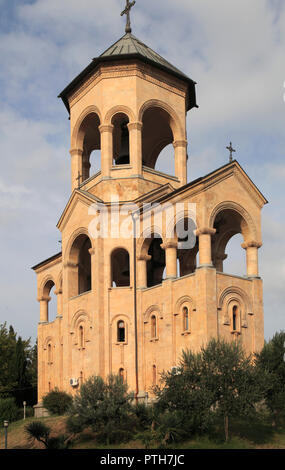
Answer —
(130, 47)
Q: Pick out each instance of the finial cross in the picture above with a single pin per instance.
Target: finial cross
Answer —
(231, 150)
(126, 11)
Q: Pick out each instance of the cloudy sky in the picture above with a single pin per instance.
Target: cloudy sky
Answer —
(233, 49)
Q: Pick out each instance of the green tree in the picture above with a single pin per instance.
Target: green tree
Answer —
(232, 380)
(7, 353)
(103, 406)
(271, 361)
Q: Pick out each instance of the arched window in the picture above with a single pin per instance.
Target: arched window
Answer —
(156, 265)
(51, 300)
(121, 143)
(89, 140)
(120, 268)
(185, 318)
(235, 318)
(153, 327)
(156, 135)
(81, 378)
(81, 337)
(79, 274)
(154, 378)
(49, 350)
(121, 332)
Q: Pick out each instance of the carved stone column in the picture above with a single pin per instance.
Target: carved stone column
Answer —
(170, 248)
(180, 148)
(205, 253)
(58, 293)
(76, 168)
(135, 136)
(44, 309)
(251, 248)
(106, 132)
(142, 271)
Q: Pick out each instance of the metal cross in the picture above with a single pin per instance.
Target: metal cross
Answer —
(126, 11)
(78, 178)
(231, 150)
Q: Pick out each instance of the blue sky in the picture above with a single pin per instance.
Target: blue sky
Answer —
(234, 50)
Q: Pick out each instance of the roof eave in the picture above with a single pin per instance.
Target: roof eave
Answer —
(98, 60)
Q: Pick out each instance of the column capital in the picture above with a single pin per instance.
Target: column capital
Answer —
(44, 298)
(169, 244)
(205, 231)
(144, 257)
(106, 128)
(251, 244)
(58, 292)
(135, 126)
(92, 251)
(76, 152)
(69, 264)
(180, 143)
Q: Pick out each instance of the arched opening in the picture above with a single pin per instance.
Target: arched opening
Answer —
(165, 161)
(231, 231)
(188, 246)
(154, 375)
(156, 135)
(235, 319)
(120, 268)
(80, 270)
(81, 337)
(121, 332)
(121, 140)
(185, 311)
(156, 265)
(153, 324)
(51, 300)
(90, 141)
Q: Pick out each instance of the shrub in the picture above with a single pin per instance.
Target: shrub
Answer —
(57, 402)
(37, 430)
(8, 410)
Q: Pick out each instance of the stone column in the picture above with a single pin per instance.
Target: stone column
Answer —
(205, 253)
(170, 248)
(142, 271)
(251, 248)
(106, 132)
(58, 293)
(180, 149)
(76, 168)
(135, 136)
(44, 309)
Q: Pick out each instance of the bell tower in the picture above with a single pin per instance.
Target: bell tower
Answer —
(128, 104)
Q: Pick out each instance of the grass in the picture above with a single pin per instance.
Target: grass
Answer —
(243, 435)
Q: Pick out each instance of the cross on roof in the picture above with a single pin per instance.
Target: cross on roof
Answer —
(231, 150)
(126, 11)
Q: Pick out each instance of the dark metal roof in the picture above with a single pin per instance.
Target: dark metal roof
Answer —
(126, 48)
(42, 263)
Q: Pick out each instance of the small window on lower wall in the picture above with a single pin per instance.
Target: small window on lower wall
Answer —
(122, 374)
(235, 319)
(153, 327)
(121, 331)
(154, 378)
(185, 318)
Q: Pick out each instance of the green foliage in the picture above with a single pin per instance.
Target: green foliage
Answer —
(144, 414)
(37, 430)
(8, 410)
(220, 380)
(271, 362)
(105, 407)
(57, 402)
(18, 370)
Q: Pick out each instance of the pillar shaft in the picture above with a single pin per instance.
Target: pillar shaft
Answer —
(76, 168)
(171, 259)
(44, 310)
(106, 132)
(252, 257)
(180, 148)
(205, 251)
(135, 136)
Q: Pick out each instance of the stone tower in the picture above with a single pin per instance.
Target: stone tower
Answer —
(133, 292)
